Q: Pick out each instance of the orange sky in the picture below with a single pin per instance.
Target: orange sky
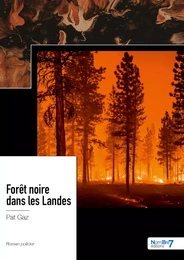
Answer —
(156, 75)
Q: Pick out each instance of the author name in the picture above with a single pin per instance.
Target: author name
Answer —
(17, 217)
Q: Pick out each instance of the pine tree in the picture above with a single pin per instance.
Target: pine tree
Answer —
(138, 118)
(89, 104)
(155, 165)
(91, 161)
(72, 131)
(166, 147)
(129, 110)
(50, 74)
(148, 151)
(111, 139)
(113, 148)
(178, 94)
(60, 125)
(113, 142)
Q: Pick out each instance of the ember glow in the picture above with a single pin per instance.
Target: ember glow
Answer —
(152, 174)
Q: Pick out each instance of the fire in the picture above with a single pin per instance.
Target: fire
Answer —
(160, 180)
(108, 178)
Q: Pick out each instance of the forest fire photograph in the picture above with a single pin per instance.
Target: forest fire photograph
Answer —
(121, 112)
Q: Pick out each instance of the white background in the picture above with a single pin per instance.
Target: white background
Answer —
(51, 228)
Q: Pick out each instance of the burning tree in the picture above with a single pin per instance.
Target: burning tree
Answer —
(111, 142)
(138, 119)
(148, 150)
(88, 105)
(55, 86)
(129, 109)
(166, 147)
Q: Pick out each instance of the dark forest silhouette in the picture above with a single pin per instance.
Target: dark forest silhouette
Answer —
(70, 81)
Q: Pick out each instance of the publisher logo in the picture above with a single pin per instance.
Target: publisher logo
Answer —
(161, 243)
(165, 243)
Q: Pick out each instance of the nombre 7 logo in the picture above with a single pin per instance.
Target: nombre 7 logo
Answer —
(170, 242)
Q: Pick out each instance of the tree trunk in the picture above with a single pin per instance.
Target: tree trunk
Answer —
(167, 167)
(49, 137)
(148, 167)
(90, 168)
(87, 170)
(127, 162)
(133, 163)
(117, 163)
(73, 137)
(113, 159)
(85, 131)
(60, 128)
(73, 130)
(134, 153)
(170, 169)
(85, 154)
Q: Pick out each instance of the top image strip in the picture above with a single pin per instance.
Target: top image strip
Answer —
(120, 22)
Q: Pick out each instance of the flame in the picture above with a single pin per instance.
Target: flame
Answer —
(160, 180)
(108, 178)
